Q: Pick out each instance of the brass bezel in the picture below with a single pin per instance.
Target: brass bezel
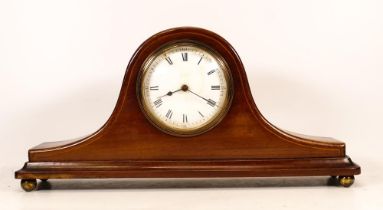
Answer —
(154, 120)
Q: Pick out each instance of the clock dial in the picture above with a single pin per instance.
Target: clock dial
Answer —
(185, 89)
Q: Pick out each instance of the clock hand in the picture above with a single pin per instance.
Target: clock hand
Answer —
(183, 88)
(209, 101)
(170, 93)
(198, 95)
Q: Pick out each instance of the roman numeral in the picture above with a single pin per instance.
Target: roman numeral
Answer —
(158, 103)
(212, 71)
(200, 114)
(184, 56)
(169, 114)
(153, 87)
(211, 102)
(200, 60)
(215, 87)
(184, 118)
(169, 60)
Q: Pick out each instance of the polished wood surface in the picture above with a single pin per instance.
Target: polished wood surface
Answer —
(244, 143)
(188, 168)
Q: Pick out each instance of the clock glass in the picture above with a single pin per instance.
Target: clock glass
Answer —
(185, 88)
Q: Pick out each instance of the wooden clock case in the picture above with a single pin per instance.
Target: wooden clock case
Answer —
(243, 144)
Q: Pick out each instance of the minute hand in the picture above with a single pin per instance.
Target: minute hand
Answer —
(209, 101)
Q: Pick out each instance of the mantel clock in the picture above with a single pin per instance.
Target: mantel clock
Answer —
(185, 110)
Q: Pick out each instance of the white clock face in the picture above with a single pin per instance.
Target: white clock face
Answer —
(185, 89)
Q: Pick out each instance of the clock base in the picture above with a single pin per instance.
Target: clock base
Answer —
(341, 166)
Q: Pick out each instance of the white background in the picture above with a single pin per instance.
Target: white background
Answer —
(314, 67)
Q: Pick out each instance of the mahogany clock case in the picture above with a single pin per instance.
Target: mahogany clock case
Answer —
(243, 144)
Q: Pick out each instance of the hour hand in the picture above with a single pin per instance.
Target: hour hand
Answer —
(170, 93)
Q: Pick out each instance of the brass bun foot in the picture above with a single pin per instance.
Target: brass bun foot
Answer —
(28, 184)
(346, 181)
